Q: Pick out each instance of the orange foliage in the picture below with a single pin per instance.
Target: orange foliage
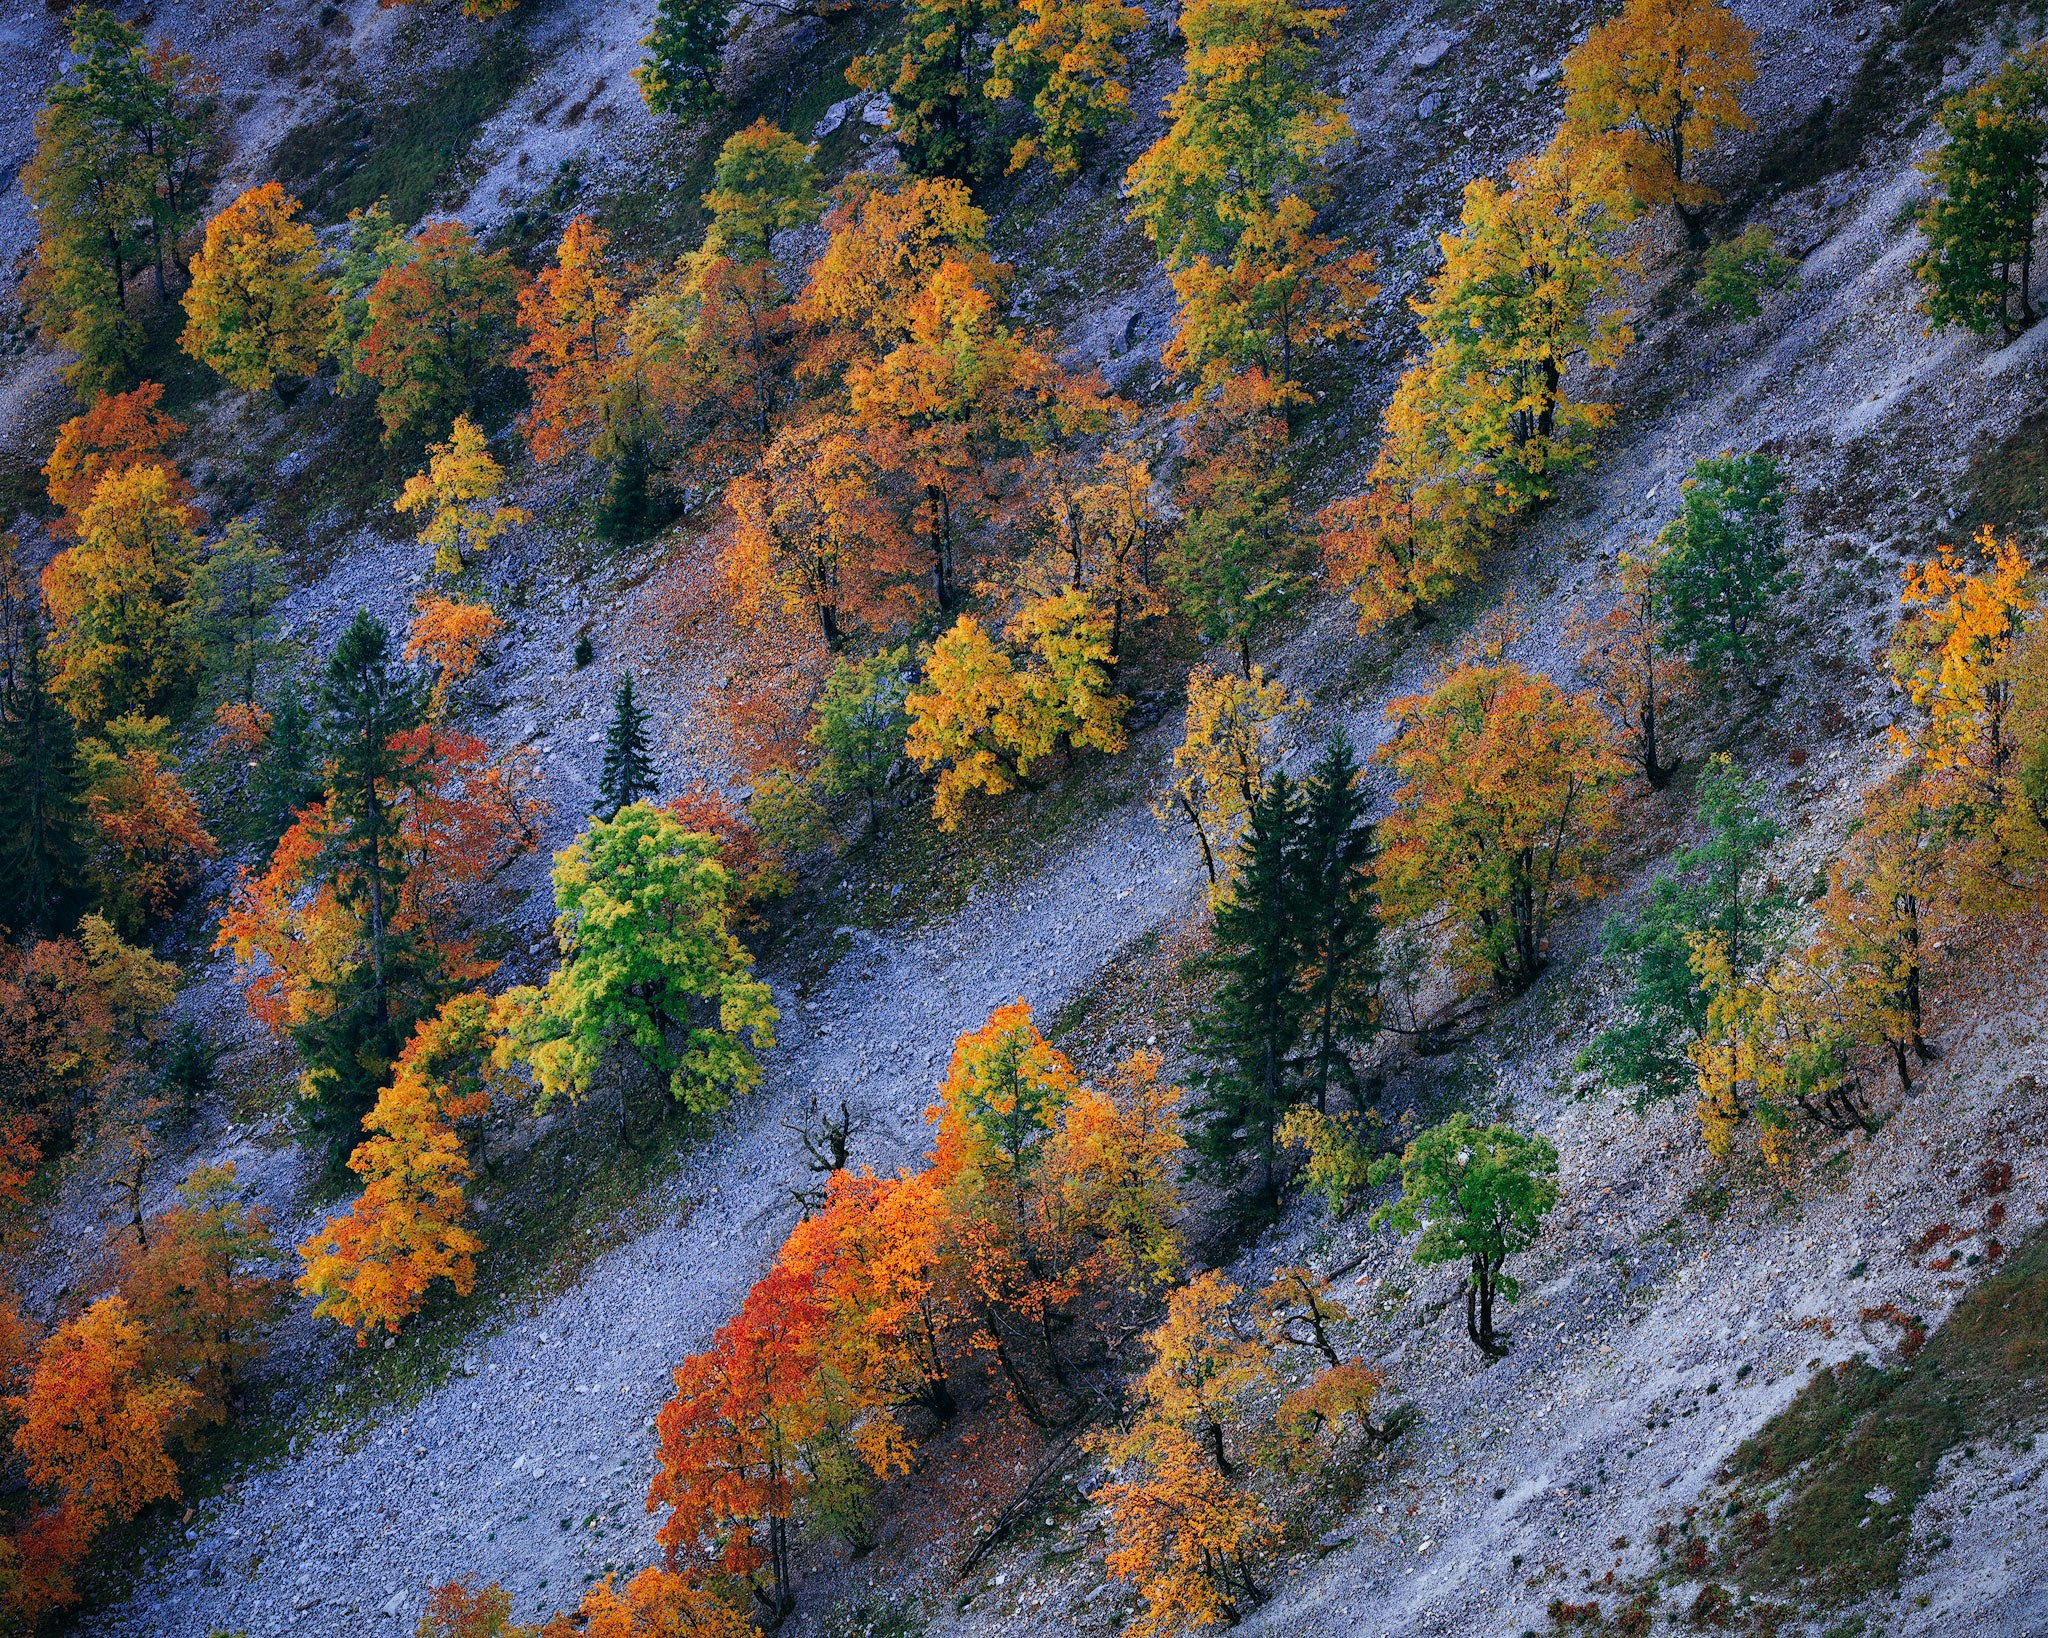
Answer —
(374, 1264)
(574, 318)
(656, 1603)
(95, 1419)
(468, 817)
(450, 634)
(119, 431)
(150, 827)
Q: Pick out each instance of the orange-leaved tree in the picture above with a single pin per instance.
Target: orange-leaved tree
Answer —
(1507, 793)
(656, 1603)
(373, 1265)
(574, 317)
(451, 635)
(151, 843)
(119, 431)
(1631, 658)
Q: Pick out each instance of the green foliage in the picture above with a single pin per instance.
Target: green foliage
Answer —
(1254, 1027)
(627, 513)
(628, 773)
(374, 242)
(1332, 878)
(286, 779)
(1723, 560)
(1342, 1162)
(678, 78)
(1734, 276)
(786, 815)
(1479, 1195)
(369, 1005)
(234, 598)
(42, 800)
(1987, 175)
(861, 724)
(762, 185)
(1712, 888)
(649, 964)
(935, 91)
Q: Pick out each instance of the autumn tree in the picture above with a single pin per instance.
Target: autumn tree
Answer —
(1650, 90)
(1116, 1154)
(1065, 58)
(649, 964)
(1417, 529)
(574, 316)
(95, 1419)
(1712, 890)
(883, 246)
(656, 1603)
(257, 308)
(451, 634)
(678, 78)
(1961, 656)
(1526, 291)
(123, 635)
(373, 1265)
(628, 775)
(458, 492)
(150, 843)
(1235, 735)
(1284, 295)
(862, 719)
(1245, 126)
(1100, 530)
(119, 431)
(1628, 656)
(1479, 1195)
(438, 323)
(201, 1289)
(1721, 562)
(1008, 1250)
(1507, 791)
(1183, 1531)
(988, 720)
(762, 183)
(373, 244)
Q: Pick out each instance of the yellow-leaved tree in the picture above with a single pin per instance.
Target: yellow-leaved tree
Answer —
(1651, 89)
(458, 492)
(257, 307)
(1236, 734)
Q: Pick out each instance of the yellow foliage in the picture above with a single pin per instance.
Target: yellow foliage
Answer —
(456, 491)
(1223, 760)
(257, 307)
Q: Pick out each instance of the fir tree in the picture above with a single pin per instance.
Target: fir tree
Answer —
(368, 702)
(1253, 1030)
(628, 772)
(285, 781)
(42, 812)
(678, 78)
(627, 514)
(1339, 918)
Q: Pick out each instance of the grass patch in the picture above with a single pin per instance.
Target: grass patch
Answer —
(1851, 1458)
(2008, 483)
(1903, 61)
(404, 152)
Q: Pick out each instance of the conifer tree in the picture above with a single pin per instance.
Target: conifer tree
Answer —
(628, 773)
(368, 702)
(678, 78)
(1723, 560)
(1339, 917)
(42, 808)
(286, 780)
(1253, 1030)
